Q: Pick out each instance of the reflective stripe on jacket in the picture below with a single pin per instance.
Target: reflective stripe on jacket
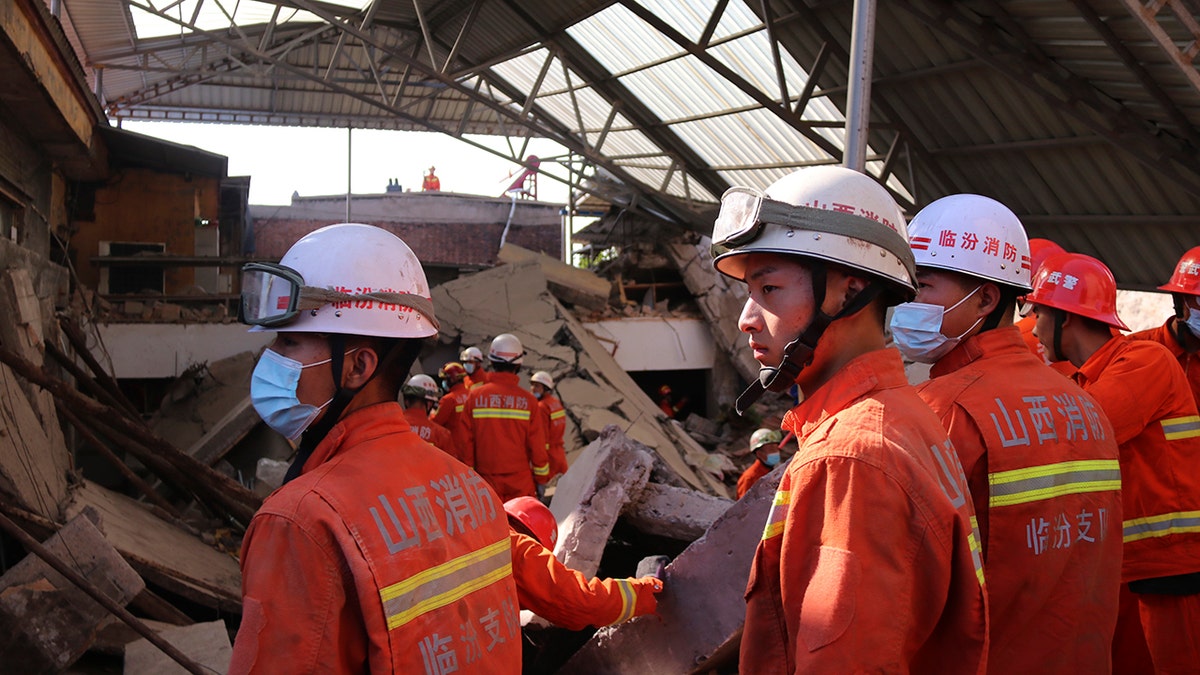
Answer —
(555, 420)
(869, 560)
(568, 599)
(500, 422)
(384, 556)
(1143, 391)
(1041, 463)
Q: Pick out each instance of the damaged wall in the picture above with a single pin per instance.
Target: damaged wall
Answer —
(595, 390)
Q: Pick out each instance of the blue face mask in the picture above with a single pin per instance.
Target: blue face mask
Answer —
(1193, 321)
(772, 459)
(273, 394)
(917, 330)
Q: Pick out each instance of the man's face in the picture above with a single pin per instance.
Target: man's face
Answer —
(937, 287)
(1043, 328)
(780, 305)
(316, 383)
(537, 388)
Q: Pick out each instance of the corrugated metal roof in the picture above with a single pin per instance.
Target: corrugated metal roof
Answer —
(1069, 112)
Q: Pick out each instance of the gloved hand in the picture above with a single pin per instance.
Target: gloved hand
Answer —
(652, 566)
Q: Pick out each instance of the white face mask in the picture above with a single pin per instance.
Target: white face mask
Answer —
(917, 330)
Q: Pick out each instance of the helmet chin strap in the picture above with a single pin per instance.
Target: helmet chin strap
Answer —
(1059, 318)
(798, 353)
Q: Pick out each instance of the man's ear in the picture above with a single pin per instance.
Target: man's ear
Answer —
(989, 299)
(359, 366)
(841, 285)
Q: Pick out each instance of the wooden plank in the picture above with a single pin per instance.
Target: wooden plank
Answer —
(33, 465)
(227, 432)
(205, 643)
(165, 554)
(48, 621)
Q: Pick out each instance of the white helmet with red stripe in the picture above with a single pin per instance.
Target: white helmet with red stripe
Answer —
(973, 235)
(506, 348)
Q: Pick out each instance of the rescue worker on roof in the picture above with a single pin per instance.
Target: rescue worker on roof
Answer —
(554, 417)
(1144, 393)
(420, 394)
(340, 564)
(824, 253)
(449, 409)
(1052, 591)
(1039, 250)
(559, 594)
(472, 360)
(502, 429)
(1181, 333)
(764, 444)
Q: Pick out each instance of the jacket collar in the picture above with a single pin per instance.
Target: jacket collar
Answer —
(879, 369)
(360, 426)
(1004, 340)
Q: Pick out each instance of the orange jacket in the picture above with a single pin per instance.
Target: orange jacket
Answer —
(1146, 397)
(449, 410)
(1041, 464)
(431, 432)
(869, 561)
(566, 598)
(345, 568)
(750, 476)
(506, 437)
(1190, 361)
(479, 378)
(554, 418)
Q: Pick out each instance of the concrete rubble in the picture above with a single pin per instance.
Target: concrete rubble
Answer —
(206, 644)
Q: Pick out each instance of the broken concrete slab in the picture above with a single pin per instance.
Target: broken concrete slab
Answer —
(585, 392)
(570, 284)
(589, 497)
(165, 554)
(676, 513)
(207, 644)
(46, 622)
(202, 400)
(701, 610)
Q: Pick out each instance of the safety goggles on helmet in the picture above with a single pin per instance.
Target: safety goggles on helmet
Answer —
(274, 295)
(746, 212)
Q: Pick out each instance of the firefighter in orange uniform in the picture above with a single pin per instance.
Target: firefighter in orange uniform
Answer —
(472, 360)
(502, 426)
(1145, 395)
(554, 418)
(1052, 555)
(1039, 250)
(823, 252)
(420, 394)
(1181, 333)
(449, 412)
(764, 443)
(559, 594)
(379, 553)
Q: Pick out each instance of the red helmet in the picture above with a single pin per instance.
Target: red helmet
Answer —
(1186, 278)
(1078, 284)
(453, 372)
(664, 390)
(534, 517)
(1040, 249)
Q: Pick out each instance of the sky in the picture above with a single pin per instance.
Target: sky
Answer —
(312, 161)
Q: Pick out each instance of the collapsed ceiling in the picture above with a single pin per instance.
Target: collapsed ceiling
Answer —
(1078, 114)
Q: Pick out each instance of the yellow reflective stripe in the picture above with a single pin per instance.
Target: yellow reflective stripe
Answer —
(1160, 526)
(558, 414)
(1178, 428)
(499, 414)
(628, 601)
(1036, 483)
(778, 515)
(446, 583)
(458, 408)
(976, 549)
(543, 470)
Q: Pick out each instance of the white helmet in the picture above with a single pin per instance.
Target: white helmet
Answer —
(543, 378)
(973, 235)
(471, 354)
(828, 212)
(506, 348)
(422, 386)
(349, 279)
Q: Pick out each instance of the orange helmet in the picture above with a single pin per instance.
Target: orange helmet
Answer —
(1040, 249)
(664, 390)
(1186, 278)
(452, 372)
(533, 516)
(1078, 284)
